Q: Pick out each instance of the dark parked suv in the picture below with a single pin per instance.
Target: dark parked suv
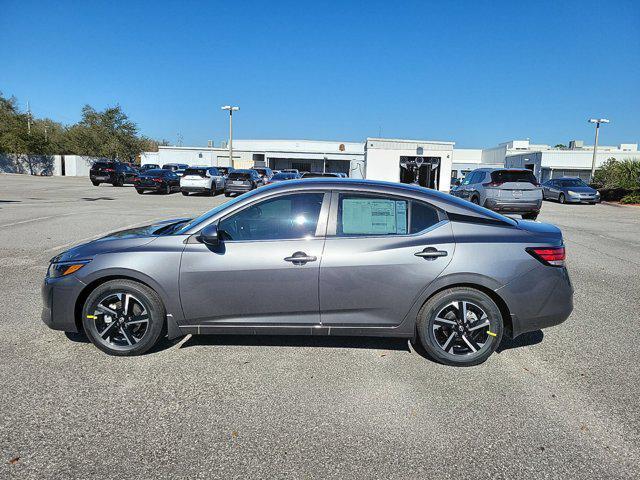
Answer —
(115, 173)
(162, 181)
(241, 181)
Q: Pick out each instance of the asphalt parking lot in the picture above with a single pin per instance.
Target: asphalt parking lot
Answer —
(563, 403)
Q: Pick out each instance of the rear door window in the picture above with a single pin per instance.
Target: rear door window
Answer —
(371, 215)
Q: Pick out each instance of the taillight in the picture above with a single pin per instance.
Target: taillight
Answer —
(492, 184)
(553, 256)
(136, 179)
(158, 180)
(108, 170)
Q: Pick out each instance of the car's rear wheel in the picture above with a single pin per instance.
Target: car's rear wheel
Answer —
(95, 184)
(530, 215)
(123, 317)
(119, 182)
(460, 326)
(561, 198)
(227, 194)
(186, 194)
(167, 189)
(140, 191)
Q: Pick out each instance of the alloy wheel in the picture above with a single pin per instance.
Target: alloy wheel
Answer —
(121, 320)
(461, 328)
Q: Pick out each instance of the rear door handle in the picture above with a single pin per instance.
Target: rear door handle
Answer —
(431, 253)
(300, 258)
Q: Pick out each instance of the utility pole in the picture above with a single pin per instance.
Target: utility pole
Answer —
(597, 121)
(231, 109)
(28, 118)
(179, 139)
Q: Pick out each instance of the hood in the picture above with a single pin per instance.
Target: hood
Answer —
(584, 189)
(121, 240)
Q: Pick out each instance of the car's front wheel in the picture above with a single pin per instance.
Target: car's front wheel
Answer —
(186, 194)
(460, 326)
(530, 216)
(561, 198)
(140, 191)
(123, 317)
(95, 184)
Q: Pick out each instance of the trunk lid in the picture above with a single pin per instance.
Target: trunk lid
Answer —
(544, 232)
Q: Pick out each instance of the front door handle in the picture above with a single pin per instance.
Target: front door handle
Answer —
(431, 253)
(300, 258)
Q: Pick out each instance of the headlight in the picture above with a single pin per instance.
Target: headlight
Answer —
(573, 194)
(597, 194)
(65, 268)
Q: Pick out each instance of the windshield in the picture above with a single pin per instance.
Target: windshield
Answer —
(573, 182)
(317, 175)
(103, 165)
(284, 176)
(207, 215)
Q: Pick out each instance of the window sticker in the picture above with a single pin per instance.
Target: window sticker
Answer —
(367, 216)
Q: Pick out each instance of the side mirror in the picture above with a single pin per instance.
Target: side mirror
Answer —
(209, 235)
(457, 183)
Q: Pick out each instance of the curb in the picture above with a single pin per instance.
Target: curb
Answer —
(620, 205)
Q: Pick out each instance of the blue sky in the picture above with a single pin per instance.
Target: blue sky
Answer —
(474, 72)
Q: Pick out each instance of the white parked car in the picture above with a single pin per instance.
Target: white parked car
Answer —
(202, 180)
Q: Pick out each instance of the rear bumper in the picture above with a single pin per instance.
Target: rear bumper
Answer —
(59, 297)
(513, 206)
(102, 178)
(192, 189)
(538, 299)
(156, 188)
(238, 188)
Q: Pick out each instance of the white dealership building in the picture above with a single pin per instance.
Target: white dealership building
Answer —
(431, 163)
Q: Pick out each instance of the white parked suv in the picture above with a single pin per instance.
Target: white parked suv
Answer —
(202, 180)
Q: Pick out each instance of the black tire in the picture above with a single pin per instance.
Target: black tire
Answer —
(119, 182)
(167, 189)
(140, 191)
(530, 216)
(561, 198)
(211, 192)
(430, 333)
(227, 194)
(95, 184)
(475, 200)
(186, 194)
(149, 300)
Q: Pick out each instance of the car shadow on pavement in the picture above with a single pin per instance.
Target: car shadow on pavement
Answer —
(524, 340)
(398, 344)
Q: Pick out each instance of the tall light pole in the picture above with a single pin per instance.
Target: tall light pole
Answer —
(597, 121)
(231, 109)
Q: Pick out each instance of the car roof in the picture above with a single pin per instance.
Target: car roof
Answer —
(442, 200)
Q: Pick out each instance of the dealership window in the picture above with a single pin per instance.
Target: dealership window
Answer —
(281, 218)
(381, 215)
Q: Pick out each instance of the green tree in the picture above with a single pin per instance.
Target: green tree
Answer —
(109, 134)
(618, 174)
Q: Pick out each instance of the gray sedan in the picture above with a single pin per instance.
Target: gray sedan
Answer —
(319, 257)
(569, 190)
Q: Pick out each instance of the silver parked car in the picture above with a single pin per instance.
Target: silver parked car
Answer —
(569, 190)
(504, 190)
(319, 257)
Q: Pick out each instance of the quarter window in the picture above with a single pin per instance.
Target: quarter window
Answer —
(281, 218)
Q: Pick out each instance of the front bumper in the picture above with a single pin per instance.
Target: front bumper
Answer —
(511, 206)
(582, 199)
(59, 297)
